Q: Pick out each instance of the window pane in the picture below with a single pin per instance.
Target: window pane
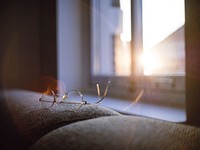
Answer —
(163, 37)
(111, 37)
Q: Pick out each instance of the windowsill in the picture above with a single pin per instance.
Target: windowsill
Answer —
(143, 109)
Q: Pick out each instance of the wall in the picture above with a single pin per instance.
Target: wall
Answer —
(28, 48)
(27, 43)
(69, 44)
(192, 34)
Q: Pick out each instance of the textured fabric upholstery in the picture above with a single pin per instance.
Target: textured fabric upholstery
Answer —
(122, 133)
(28, 120)
(26, 124)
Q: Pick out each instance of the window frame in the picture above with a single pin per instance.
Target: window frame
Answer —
(122, 86)
(127, 87)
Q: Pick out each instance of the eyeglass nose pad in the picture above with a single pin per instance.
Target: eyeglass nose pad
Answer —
(65, 96)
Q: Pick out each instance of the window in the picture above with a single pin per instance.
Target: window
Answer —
(163, 37)
(111, 34)
(140, 44)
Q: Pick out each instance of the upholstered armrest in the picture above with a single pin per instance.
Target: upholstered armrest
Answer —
(24, 121)
(121, 133)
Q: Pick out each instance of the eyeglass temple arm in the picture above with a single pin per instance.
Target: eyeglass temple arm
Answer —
(54, 98)
(98, 90)
(105, 92)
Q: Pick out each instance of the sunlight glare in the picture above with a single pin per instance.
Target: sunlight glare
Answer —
(150, 62)
(160, 19)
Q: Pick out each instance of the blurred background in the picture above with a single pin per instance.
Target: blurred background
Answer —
(148, 46)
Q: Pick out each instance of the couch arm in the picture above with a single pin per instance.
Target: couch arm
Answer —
(121, 133)
(24, 121)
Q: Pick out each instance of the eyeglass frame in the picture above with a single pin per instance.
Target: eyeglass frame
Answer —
(82, 102)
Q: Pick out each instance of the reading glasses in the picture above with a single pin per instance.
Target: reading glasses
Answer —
(72, 100)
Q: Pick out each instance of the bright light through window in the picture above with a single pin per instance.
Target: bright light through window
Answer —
(163, 36)
(125, 6)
